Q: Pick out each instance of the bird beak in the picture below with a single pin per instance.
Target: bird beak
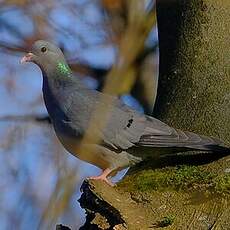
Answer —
(27, 58)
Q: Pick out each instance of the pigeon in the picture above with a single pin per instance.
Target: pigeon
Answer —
(118, 136)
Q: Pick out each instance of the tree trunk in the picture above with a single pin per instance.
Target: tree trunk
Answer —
(194, 83)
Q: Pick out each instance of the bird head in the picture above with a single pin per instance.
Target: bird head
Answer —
(47, 56)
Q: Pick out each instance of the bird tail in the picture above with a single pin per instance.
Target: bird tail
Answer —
(217, 149)
(209, 144)
(183, 139)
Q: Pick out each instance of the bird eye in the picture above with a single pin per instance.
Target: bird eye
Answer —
(43, 49)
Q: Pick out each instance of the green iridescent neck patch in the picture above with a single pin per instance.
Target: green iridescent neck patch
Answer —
(63, 68)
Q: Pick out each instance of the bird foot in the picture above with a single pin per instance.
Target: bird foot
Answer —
(103, 177)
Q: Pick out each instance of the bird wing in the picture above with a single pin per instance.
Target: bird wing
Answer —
(125, 127)
(146, 131)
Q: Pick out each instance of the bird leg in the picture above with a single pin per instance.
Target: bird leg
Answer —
(103, 177)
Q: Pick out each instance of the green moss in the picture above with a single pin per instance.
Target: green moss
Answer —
(167, 220)
(222, 184)
(177, 178)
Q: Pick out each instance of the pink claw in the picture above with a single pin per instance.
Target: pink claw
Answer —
(103, 177)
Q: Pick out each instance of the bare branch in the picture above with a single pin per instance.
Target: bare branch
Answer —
(26, 118)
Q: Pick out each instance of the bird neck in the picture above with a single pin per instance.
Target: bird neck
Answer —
(58, 71)
(60, 76)
(63, 69)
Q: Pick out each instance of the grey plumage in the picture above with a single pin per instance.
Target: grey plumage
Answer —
(71, 105)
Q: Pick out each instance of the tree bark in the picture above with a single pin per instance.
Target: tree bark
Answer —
(194, 83)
